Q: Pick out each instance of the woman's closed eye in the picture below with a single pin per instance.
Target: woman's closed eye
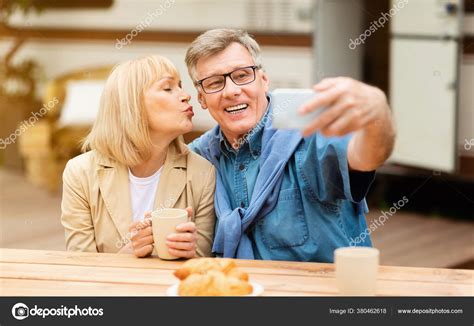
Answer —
(171, 86)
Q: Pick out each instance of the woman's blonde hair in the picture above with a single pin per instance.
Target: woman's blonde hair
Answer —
(121, 130)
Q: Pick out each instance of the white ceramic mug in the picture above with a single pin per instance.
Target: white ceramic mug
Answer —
(164, 222)
(356, 270)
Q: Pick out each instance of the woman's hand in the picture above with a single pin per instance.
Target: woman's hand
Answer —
(142, 237)
(183, 243)
(127, 249)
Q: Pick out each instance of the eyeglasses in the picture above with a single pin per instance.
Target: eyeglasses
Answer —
(240, 76)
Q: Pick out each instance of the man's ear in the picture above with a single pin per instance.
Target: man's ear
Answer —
(202, 100)
(265, 81)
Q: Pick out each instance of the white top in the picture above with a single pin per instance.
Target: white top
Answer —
(143, 193)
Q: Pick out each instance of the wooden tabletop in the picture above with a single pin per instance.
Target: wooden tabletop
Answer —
(60, 273)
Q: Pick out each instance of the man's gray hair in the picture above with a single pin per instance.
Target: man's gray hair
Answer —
(217, 40)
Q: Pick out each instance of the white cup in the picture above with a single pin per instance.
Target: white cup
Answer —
(164, 222)
(356, 270)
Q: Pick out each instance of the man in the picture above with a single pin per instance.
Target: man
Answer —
(285, 194)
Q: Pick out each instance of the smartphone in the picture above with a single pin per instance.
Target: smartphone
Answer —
(285, 104)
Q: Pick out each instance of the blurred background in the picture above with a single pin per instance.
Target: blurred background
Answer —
(56, 54)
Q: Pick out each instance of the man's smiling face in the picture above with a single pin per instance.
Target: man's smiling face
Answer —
(237, 109)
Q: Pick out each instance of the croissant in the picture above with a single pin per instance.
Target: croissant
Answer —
(213, 283)
(212, 277)
(203, 265)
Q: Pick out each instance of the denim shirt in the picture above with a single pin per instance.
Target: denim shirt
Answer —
(321, 204)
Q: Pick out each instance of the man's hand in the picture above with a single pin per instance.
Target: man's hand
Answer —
(352, 106)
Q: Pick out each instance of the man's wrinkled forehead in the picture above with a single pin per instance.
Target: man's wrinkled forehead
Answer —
(233, 57)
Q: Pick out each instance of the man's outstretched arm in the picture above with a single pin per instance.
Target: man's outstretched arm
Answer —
(354, 107)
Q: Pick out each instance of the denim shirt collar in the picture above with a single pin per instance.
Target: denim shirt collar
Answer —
(251, 140)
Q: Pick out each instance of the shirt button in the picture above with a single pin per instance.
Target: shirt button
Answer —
(241, 167)
(242, 204)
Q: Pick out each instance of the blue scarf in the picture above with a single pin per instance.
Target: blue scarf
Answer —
(278, 146)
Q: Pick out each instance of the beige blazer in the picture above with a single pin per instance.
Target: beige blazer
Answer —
(96, 204)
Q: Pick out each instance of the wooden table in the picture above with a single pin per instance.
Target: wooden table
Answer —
(60, 273)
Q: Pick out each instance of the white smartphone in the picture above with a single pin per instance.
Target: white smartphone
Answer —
(285, 104)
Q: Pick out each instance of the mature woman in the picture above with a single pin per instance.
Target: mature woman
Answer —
(135, 163)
